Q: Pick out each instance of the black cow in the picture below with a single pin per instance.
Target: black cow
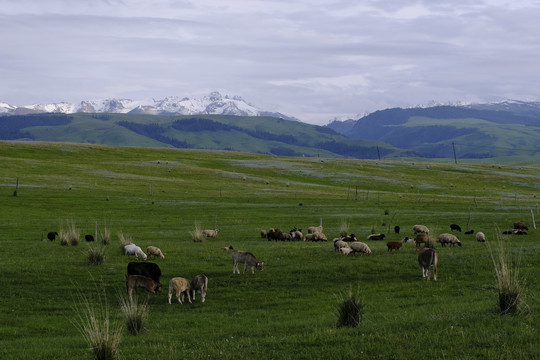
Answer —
(147, 269)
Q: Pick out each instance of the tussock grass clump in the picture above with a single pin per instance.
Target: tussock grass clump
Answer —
(344, 228)
(125, 239)
(73, 234)
(510, 286)
(197, 234)
(350, 309)
(135, 314)
(105, 236)
(102, 336)
(95, 255)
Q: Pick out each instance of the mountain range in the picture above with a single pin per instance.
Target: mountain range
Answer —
(214, 103)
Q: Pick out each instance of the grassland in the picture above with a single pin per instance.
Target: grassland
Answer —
(288, 311)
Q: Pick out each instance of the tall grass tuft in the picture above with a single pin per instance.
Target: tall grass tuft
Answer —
(197, 234)
(510, 286)
(101, 334)
(135, 314)
(350, 309)
(95, 255)
(105, 236)
(73, 234)
(344, 228)
(125, 239)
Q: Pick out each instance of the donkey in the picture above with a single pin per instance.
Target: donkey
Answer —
(248, 259)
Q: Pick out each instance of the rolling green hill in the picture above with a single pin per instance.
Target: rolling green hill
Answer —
(438, 131)
(264, 135)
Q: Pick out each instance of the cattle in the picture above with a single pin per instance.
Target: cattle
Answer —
(199, 283)
(181, 287)
(51, 235)
(148, 269)
(248, 259)
(138, 281)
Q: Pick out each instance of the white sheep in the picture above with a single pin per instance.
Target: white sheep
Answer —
(338, 244)
(154, 251)
(358, 246)
(420, 229)
(447, 238)
(133, 249)
(210, 233)
(480, 236)
(315, 229)
(345, 250)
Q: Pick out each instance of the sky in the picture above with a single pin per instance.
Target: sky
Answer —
(316, 60)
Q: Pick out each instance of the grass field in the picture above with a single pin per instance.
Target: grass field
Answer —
(287, 311)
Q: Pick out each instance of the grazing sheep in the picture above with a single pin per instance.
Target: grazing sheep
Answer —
(227, 248)
(360, 247)
(480, 237)
(296, 234)
(138, 281)
(394, 245)
(455, 227)
(133, 249)
(88, 238)
(345, 250)
(469, 232)
(181, 287)
(210, 233)
(420, 229)
(277, 234)
(520, 225)
(338, 244)
(248, 259)
(407, 239)
(421, 238)
(51, 235)
(315, 229)
(515, 232)
(349, 238)
(428, 257)
(315, 237)
(155, 252)
(199, 283)
(263, 234)
(376, 237)
(447, 238)
(396, 229)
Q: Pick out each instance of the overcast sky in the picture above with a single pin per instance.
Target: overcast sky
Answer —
(313, 59)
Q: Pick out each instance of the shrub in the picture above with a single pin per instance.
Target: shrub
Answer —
(73, 234)
(102, 335)
(510, 286)
(95, 255)
(124, 240)
(350, 309)
(135, 314)
(197, 234)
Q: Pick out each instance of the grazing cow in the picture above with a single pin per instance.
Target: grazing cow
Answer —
(52, 235)
(455, 227)
(248, 259)
(138, 281)
(394, 245)
(88, 238)
(181, 287)
(199, 283)
(147, 269)
(428, 257)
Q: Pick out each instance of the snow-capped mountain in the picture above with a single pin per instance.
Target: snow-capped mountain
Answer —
(214, 103)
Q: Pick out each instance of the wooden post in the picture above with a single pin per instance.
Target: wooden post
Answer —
(454, 147)
(16, 187)
(532, 215)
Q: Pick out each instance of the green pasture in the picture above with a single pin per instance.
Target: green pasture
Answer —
(287, 311)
